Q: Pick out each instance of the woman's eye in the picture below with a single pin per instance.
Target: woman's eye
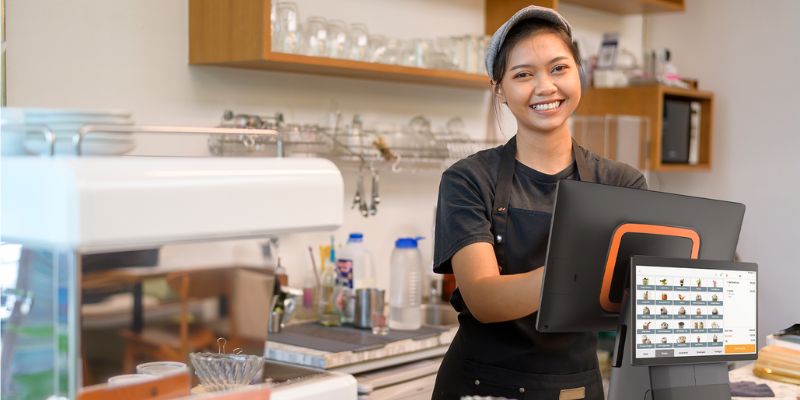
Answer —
(560, 68)
(522, 75)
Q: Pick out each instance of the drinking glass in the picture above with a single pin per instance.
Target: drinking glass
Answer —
(337, 39)
(316, 37)
(377, 48)
(358, 42)
(393, 53)
(286, 29)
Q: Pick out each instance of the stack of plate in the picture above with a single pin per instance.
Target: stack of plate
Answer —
(65, 125)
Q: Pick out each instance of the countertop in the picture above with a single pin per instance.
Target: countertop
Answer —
(783, 391)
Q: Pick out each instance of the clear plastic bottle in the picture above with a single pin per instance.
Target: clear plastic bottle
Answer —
(405, 291)
(355, 271)
(354, 264)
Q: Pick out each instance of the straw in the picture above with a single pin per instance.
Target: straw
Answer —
(314, 265)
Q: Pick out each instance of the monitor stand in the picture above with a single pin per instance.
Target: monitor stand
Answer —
(707, 381)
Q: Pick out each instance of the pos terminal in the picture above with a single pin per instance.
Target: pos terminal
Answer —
(595, 231)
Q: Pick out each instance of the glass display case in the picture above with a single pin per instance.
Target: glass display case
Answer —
(38, 313)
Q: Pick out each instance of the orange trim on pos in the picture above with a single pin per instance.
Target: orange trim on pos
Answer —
(605, 291)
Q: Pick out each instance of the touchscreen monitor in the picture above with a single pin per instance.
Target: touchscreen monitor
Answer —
(689, 311)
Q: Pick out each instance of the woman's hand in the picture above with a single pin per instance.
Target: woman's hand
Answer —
(492, 297)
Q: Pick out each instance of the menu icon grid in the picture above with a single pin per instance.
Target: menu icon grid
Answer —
(679, 315)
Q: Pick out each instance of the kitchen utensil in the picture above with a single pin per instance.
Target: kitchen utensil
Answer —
(362, 201)
(275, 322)
(359, 192)
(314, 266)
(376, 199)
(363, 317)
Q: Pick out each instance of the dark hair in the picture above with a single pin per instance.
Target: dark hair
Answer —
(522, 30)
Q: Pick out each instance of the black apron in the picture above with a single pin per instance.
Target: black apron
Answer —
(512, 359)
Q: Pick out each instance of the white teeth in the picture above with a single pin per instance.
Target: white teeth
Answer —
(546, 106)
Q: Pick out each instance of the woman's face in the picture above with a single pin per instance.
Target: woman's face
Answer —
(541, 84)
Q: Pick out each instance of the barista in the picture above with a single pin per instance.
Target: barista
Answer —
(493, 219)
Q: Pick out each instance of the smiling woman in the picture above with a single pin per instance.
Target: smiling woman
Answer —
(493, 221)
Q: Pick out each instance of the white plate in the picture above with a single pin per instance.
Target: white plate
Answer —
(21, 116)
(78, 119)
(71, 129)
(95, 144)
(50, 112)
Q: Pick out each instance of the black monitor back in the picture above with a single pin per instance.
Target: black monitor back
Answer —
(586, 216)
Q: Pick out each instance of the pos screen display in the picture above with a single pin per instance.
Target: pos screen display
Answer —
(692, 311)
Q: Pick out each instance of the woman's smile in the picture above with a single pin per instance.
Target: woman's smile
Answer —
(548, 107)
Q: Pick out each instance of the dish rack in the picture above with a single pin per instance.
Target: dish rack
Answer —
(415, 145)
(241, 135)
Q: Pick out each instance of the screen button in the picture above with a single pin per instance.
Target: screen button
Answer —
(665, 353)
(739, 348)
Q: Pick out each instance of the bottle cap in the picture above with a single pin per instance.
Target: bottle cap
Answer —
(355, 237)
(406, 243)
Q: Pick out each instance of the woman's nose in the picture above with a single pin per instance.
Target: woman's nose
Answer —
(546, 86)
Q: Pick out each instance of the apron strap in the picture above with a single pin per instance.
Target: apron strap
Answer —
(585, 171)
(502, 198)
(502, 191)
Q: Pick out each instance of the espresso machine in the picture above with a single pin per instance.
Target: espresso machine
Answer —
(58, 210)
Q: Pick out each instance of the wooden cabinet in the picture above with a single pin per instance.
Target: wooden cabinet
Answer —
(236, 33)
(498, 11)
(648, 101)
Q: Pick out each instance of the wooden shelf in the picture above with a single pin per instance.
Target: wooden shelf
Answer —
(236, 33)
(360, 70)
(628, 7)
(499, 11)
(648, 101)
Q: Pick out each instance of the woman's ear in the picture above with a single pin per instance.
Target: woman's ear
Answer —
(497, 89)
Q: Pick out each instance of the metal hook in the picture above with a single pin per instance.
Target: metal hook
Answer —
(396, 164)
(221, 342)
(249, 141)
(237, 351)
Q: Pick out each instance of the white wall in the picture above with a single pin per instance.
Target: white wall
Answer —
(133, 55)
(589, 25)
(748, 53)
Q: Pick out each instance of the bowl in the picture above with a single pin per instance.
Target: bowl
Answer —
(221, 371)
(161, 368)
(128, 379)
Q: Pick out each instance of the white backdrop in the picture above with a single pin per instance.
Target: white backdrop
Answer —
(747, 53)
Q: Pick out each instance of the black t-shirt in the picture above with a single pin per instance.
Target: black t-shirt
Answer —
(467, 190)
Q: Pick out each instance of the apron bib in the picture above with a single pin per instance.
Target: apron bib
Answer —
(493, 359)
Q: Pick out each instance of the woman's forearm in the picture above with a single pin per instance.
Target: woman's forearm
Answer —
(492, 297)
(505, 297)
